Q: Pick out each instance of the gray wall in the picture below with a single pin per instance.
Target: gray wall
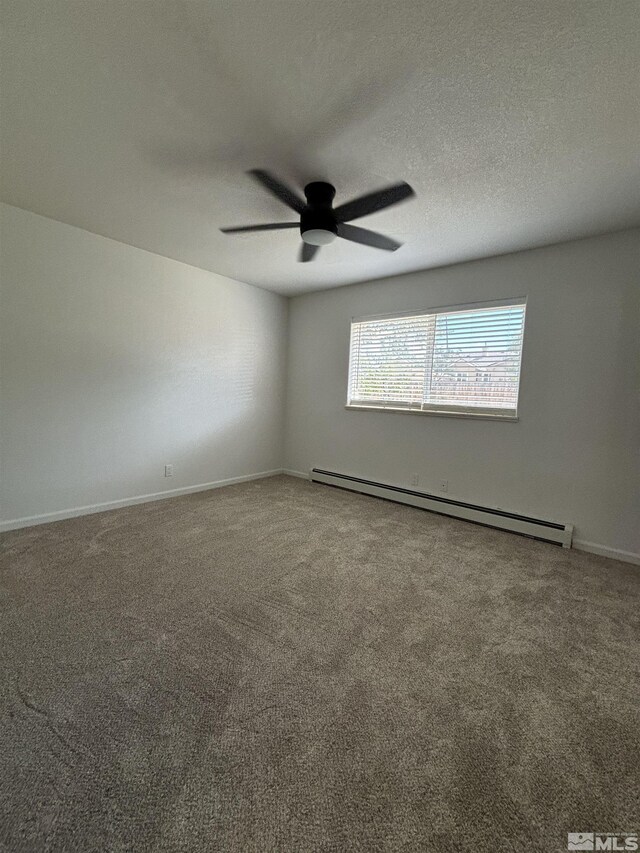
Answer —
(574, 454)
(115, 362)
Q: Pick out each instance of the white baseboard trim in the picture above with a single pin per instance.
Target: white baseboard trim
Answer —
(60, 515)
(604, 551)
(90, 509)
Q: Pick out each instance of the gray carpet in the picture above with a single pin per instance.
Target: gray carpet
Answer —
(279, 666)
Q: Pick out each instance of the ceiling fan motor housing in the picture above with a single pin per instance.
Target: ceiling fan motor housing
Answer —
(317, 220)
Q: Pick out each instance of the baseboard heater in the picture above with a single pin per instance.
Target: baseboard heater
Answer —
(535, 528)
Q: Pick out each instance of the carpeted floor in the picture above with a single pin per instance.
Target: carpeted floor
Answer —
(281, 666)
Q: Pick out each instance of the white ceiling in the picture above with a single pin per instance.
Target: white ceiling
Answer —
(517, 123)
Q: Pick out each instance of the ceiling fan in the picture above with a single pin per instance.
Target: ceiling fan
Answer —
(320, 223)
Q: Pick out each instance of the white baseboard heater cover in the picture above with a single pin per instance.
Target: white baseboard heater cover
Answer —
(536, 528)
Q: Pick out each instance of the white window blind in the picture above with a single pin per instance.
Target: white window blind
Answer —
(464, 359)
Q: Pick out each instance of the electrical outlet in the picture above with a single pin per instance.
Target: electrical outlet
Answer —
(415, 479)
(444, 485)
(168, 470)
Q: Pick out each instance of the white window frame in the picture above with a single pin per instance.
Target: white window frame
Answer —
(477, 412)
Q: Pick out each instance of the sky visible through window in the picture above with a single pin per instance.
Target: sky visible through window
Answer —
(466, 330)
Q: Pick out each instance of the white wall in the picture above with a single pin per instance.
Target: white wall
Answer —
(115, 361)
(574, 454)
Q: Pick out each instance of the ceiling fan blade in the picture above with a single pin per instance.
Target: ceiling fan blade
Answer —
(307, 252)
(367, 237)
(268, 226)
(372, 202)
(278, 189)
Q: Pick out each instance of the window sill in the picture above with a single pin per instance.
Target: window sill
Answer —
(478, 416)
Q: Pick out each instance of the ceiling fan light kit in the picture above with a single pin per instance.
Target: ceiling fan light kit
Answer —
(320, 223)
(318, 236)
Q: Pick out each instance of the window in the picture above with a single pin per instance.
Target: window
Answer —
(463, 360)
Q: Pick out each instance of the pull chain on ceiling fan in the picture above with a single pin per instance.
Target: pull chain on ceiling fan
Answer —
(320, 223)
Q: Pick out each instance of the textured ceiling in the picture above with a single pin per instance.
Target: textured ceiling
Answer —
(517, 123)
